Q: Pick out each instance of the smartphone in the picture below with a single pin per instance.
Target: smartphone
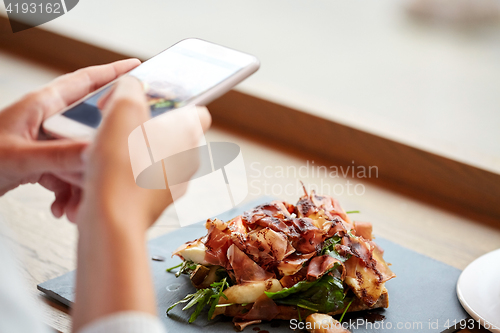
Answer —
(191, 72)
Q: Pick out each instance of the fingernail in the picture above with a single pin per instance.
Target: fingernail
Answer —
(56, 210)
(85, 155)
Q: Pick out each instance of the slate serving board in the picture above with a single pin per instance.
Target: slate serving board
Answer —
(422, 296)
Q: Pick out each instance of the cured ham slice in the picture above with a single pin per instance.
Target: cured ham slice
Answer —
(329, 205)
(269, 215)
(305, 207)
(355, 246)
(289, 280)
(363, 229)
(305, 236)
(380, 265)
(338, 226)
(315, 206)
(236, 226)
(319, 266)
(266, 246)
(363, 280)
(293, 263)
(217, 242)
(245, 269)
(366, 270)
(264, 308)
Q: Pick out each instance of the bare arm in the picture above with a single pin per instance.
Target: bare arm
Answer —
(113, 269)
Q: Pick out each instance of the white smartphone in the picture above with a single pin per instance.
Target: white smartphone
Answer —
(191, 72)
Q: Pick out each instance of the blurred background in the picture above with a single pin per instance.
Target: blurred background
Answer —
(421, 72)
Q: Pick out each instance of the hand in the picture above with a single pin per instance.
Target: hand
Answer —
(110, 190)
(55, 164)
(113, 270)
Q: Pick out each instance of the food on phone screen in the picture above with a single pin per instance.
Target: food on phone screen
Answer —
(164, 95)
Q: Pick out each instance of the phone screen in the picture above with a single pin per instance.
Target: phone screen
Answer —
(171, 79)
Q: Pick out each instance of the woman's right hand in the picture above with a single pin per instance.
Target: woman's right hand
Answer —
(109, 186)
(113, 272)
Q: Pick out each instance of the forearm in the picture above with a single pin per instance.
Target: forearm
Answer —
(113, 271)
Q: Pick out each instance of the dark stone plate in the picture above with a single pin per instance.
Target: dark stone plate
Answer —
(422, 296)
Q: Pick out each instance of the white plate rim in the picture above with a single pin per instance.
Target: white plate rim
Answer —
(485, 323)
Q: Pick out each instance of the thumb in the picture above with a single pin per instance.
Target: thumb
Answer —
(53, 156)
(124, 109)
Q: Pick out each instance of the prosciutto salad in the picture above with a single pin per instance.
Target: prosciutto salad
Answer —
(284, 261)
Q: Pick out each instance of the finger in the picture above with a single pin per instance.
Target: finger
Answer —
(71, 208)
(74, 178)
(58, 206)
(101, 103)
(62, 192)
(126, 110)
(57, 156)
(69, 88)
(205, 117)
(126, 107)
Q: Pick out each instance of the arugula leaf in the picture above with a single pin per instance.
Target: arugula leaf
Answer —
(224, 305)
(222, 285)
(353, 212)
(329, 244)
(203, 297)
(300, 303)
(171, 268)
(285, 292)
(199, 296)
(345, 310)
(329, 248)
(186, 267)
(184, 300)
(323, 295)
(202, 301)
(337, 256)
(305, 304)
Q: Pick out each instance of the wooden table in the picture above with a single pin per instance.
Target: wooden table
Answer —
(46, 245)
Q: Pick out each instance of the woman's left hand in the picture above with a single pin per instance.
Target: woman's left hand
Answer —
(55, 164)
